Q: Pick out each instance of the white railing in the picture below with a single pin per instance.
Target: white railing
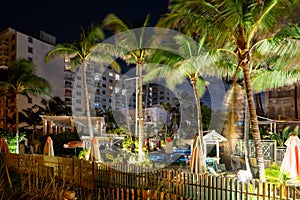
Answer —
(268, 147)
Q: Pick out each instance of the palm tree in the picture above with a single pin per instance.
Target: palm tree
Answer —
(58, 107)
(82, 51)
(131, 49)
(22, 80)
(239, 27)
(32, 117)
(193, 62)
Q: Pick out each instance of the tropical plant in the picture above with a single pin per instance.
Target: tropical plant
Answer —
(193, 62)
(32, 117)
(82, 51)
(22, 80)
(283, 136)
(242, 28)
(84, 154)
(12, 140)
(58, 107)
(274, 175)
(110, 121)
(130, 47)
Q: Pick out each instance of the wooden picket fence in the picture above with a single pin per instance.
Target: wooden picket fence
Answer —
(102, 181)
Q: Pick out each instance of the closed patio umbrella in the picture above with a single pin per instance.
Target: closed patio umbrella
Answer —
(95, 152)
(48, 148)
(3, 146)
(197, 160)
(290, 163)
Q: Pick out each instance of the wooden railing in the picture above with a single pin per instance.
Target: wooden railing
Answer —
(131, 182)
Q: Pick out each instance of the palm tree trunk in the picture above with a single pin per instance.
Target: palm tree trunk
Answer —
(87, 102)
(199, 114)
(246, 140)
(254, 122)
(17, 123)
(140, 109)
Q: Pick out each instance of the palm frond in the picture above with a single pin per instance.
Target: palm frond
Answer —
(291, 31)
(265, 79)
(187, 46)
(201, 86)
(114, 24)
(124, 36)
(62, 50)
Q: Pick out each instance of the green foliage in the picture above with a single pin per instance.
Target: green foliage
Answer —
(11, 139)
(281, 137)
(83, 154)
(274, 175)
(287, 131)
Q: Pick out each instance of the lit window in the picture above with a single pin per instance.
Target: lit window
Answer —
(110, 74)
(117, 77)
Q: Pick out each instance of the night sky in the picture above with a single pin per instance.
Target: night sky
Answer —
(64, 18)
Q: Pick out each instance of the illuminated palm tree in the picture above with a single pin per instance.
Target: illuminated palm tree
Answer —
(239, 27)
(82, 51)
(130, 47)
(193, 62)
(22, 80)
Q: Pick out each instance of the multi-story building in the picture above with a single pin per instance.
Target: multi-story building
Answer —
(110, 90)
(16, 45)
(283, 103)
(279, 108)
(101, 87)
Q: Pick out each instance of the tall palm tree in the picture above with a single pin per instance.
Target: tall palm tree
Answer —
(192, 63)
(82, 51)
(22, 80)
(131, 49)
(239, 27)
